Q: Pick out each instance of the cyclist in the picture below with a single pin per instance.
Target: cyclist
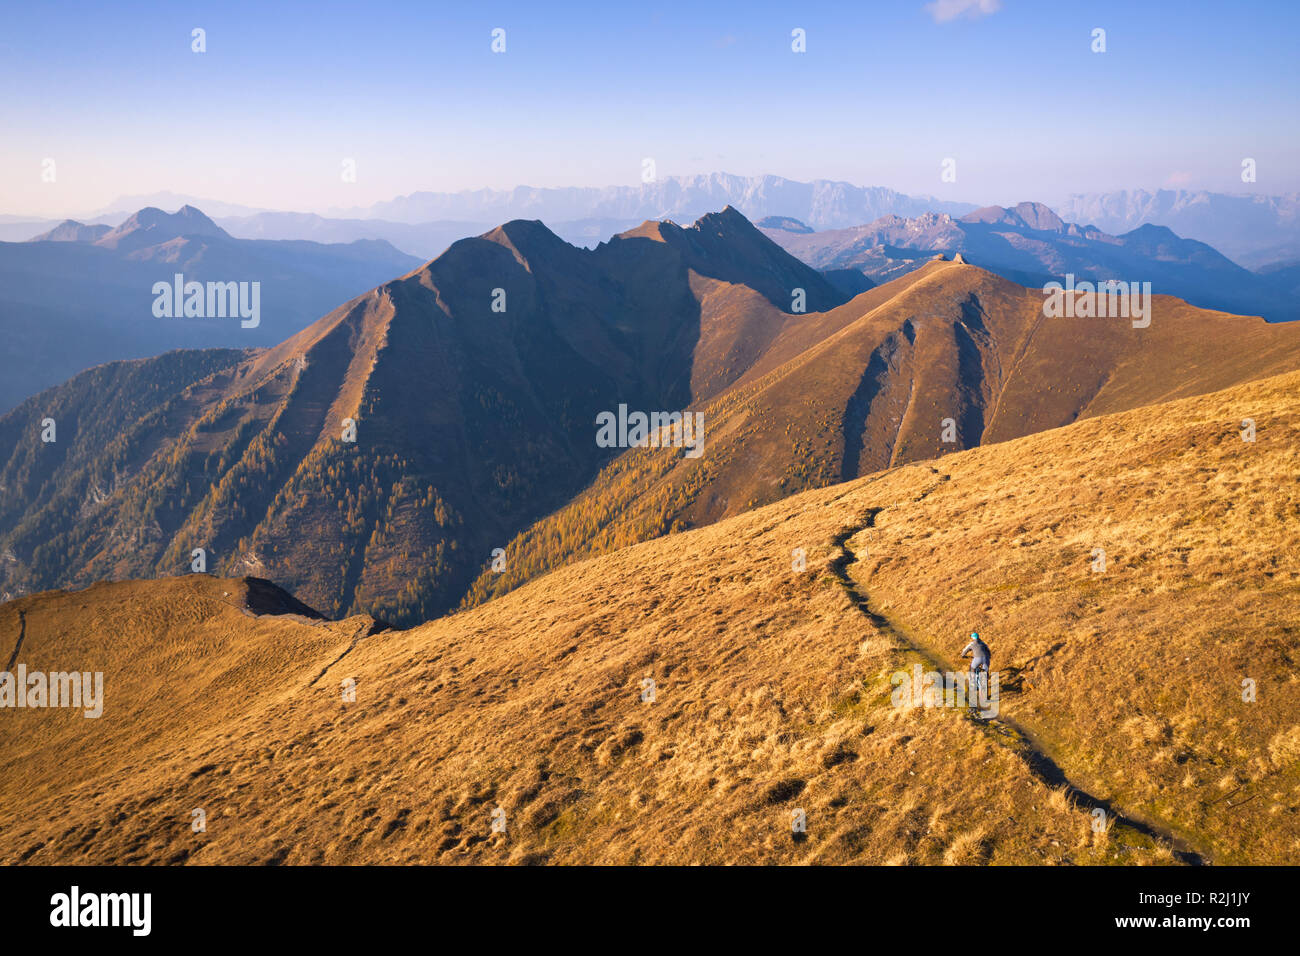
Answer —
(979, 655)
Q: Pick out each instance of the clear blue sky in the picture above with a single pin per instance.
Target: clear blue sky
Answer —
(412, 92)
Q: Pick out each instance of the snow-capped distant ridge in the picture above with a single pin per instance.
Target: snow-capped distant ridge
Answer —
(821, 204)
(1252, 229)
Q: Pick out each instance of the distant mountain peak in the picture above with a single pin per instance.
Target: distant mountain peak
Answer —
(152, 226)
(728, 221)
(72, 231)
(784, 224)
(1026, 215)
(1150, 230)
(1038, 216)
(526, 238)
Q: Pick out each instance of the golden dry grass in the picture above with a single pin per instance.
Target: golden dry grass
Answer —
(1133, 675)
(772, 686)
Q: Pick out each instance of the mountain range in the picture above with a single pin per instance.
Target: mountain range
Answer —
(822, 203)
(473, 422)
(1256, 231)
(1031, 245)
(425, 223)
(430, 443)
(79, 295)
(1253, 230)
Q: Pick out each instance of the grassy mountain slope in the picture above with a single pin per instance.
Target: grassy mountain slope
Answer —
(1121, 690)
(870, 384)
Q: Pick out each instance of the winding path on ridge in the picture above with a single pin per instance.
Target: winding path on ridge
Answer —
(22, 635)
(1002, 730)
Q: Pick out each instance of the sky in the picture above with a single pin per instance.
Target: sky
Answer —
(414, 95)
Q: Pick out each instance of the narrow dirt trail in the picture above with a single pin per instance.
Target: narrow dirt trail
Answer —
(22, 634)
(364, 631)
(1002, 730)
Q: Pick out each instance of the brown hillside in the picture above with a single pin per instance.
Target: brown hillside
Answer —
(869, 385)
(472, 422)
(1121, 691)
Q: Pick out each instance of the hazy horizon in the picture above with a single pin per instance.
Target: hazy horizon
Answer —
(124, 205)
